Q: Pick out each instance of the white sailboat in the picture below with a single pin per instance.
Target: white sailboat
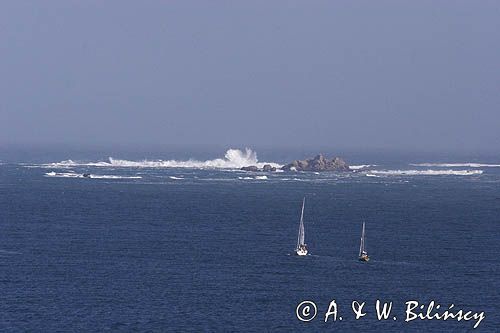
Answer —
(363, 255)
(301, 249)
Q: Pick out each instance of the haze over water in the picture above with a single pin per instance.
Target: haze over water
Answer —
(401, 76)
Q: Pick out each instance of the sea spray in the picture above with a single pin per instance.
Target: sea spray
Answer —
(429, 172)
(233, 159)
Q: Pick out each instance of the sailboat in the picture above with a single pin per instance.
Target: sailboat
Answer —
(363, 255)
(301, 249)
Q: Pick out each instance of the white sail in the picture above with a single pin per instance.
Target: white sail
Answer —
(362, 244)
(301, 236)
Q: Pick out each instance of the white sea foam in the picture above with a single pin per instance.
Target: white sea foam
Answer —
(176, 178)
(233, 159)
(63, 174)
(453, 165)
(114, 177)
(254, 178)
(361, 166)
(429, 172)
(71, 163)
(79, 175)
(371, 175)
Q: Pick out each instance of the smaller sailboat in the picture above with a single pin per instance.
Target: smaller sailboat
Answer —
(301, 249)
(363, 255)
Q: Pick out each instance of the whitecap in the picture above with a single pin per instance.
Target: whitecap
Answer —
(361, 166)
(371, 175)
(113, 177)
(428, 172)
(233, 159)
(77, 175)
(453, 165)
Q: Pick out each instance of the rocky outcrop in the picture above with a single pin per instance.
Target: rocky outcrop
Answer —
(250, 168)
(253, 168)
(318, 164)
(268, 167)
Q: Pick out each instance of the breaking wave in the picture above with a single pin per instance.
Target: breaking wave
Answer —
(81, 175)
(425, 172)
(453, 165)
(254, 178)
(372, 175)
(233, 159)
(361, 166)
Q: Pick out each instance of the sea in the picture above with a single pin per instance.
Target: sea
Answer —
(186, 242)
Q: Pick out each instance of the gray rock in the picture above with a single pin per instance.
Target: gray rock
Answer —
(252, 168)
(318, 163)
(268, 168)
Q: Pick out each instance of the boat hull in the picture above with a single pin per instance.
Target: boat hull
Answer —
(364, 258)
(301, 252)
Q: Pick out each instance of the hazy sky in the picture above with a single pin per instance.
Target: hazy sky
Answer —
(383, 74)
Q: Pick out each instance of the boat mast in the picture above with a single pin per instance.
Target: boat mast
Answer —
(362, 245)
(300, 238)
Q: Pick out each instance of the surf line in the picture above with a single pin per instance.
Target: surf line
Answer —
(448, 314)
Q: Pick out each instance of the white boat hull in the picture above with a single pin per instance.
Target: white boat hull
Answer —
(301, 252)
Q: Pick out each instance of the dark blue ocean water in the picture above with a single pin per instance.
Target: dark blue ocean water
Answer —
(184, 249)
